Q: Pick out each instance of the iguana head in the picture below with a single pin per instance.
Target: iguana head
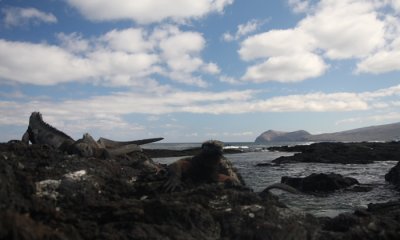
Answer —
(35, 117)
(212, 148)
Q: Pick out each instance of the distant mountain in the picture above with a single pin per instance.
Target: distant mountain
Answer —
(385, 132)
(276, 136)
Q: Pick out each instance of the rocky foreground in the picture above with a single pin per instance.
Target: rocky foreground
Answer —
(46, 194)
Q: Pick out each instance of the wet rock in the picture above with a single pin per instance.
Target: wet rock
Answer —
(344, 153)
(360, 188)
(393, 176)
(342, 223)
(379, 221)
(319, 182)
(264, 165)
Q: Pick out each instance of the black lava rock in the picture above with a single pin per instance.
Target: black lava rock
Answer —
(320, 182)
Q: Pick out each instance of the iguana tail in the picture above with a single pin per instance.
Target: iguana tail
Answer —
(107, 143)
(283, 187)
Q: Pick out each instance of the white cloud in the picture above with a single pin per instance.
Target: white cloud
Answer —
(181, 53)
(230, 80)
(186, 78)
(148, 11)
(379, 118)
(211, 68)
(130, 40)
(276, 43)
(286, 60)
(243, 30)
(73, 42)
(382, 93)
(384, 60)
(116, 63)
(381, 62)
(228, 37)
(316, 102)
(181, 50)
(299, 6)
(287, 69)
(395, 4)
(15, 16)
(345, 29)
(41, 64)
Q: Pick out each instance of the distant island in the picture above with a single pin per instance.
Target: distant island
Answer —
(387, 132)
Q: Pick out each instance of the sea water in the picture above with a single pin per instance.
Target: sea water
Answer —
(258, 178)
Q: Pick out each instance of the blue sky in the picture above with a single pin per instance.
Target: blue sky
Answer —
(190, 71)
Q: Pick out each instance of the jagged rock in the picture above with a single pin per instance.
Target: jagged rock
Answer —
(379, 221)
(48, 194)
(320, 182)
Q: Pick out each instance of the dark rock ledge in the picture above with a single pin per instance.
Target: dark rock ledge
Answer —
(45, 194)
(344, 153)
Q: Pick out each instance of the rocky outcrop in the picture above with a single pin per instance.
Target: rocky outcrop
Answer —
(345, 153)
(45, 194)
(321, 182)
(393, 176)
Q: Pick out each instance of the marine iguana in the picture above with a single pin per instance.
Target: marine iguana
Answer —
(40, 132)
(209, 166)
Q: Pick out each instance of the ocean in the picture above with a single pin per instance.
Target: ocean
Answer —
(258, 178)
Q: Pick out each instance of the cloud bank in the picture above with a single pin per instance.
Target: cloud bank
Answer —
(126, 57)
(110, 110)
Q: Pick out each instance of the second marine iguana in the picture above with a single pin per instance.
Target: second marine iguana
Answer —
(209, 166)
(40, 132)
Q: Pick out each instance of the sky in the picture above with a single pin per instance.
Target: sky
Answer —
(190, 71)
